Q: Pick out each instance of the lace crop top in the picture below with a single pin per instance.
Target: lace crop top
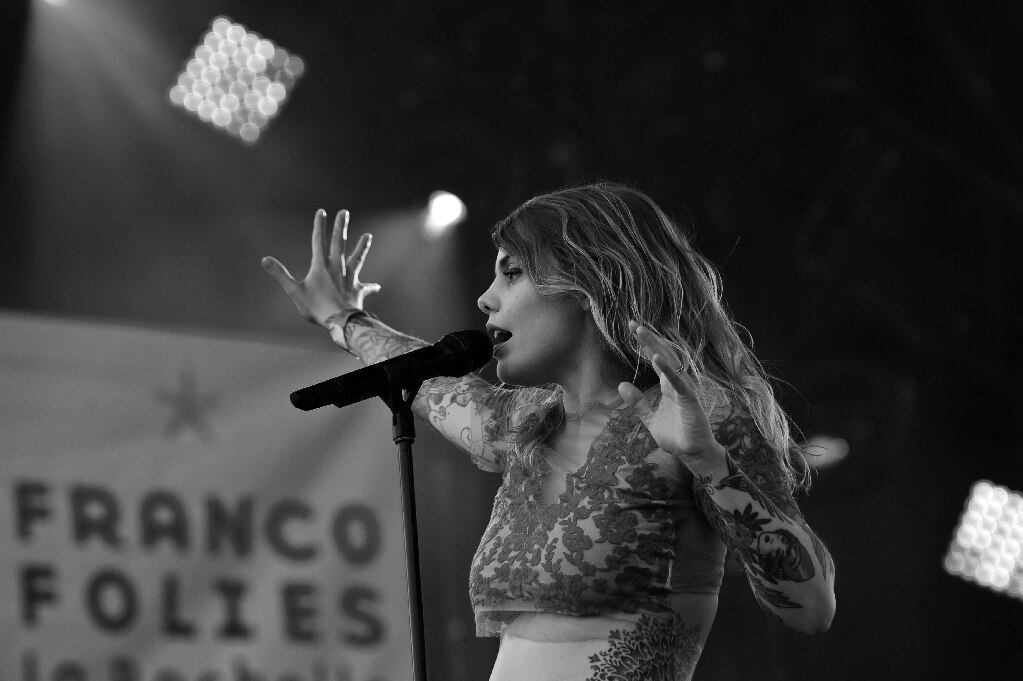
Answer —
(609, 544)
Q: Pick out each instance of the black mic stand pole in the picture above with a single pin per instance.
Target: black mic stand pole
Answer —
(402, 391)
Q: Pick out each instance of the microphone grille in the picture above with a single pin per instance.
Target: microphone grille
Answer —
(472, 347)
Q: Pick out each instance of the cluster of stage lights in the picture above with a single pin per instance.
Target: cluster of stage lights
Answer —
(986, 548)
(236, 80)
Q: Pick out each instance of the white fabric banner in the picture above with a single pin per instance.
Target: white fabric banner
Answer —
(167, 515)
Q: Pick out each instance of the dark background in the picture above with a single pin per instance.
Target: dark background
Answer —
(854, 168)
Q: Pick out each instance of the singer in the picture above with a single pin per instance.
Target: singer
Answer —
(637, 435)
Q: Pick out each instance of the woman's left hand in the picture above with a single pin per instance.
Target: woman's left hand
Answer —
(678, 424)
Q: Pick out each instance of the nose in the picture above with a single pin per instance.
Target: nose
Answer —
(487, 303)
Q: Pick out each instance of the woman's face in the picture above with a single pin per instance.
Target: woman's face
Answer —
(536, 339)
(771, 542)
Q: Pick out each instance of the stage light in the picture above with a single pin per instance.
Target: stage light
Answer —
(825, 451)
(236, 80)
(986, 546)
(443, 213)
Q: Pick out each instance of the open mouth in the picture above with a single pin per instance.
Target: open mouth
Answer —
(498, 335)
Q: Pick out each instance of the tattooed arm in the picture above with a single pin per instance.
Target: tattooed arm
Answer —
(742, 490)
(468, 411)
(744, 495)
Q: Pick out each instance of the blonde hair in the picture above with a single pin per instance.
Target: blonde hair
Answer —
(614, 245)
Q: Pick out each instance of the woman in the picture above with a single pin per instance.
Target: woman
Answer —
(641, 442)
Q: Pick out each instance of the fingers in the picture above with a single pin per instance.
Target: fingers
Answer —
(662, 365)
(634, 398)
(653, 345)
(318, 254)
(358, 257)
(630, 393)
(671, 376)
(339, 240)
(278, 273)
(651, 342)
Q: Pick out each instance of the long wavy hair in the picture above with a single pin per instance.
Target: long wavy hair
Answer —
(613, 245)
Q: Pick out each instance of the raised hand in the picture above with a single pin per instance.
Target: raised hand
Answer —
(678, 423)
(332, 283)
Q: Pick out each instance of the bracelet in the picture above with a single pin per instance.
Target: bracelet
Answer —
(337, 322)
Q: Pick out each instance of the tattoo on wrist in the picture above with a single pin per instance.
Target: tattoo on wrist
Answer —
(367, 340)
(754, 455)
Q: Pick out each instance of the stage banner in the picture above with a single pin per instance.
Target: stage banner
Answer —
(167, 515)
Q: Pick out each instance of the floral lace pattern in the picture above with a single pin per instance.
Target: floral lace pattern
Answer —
(606, 545)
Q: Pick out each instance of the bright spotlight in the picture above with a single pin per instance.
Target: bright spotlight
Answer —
(443, 213)
(986, 547)
(236, 80)
(825, 451)
(56, 3)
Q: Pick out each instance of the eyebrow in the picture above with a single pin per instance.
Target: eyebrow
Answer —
(502, 262)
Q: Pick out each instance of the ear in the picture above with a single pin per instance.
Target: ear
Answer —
(585, 303)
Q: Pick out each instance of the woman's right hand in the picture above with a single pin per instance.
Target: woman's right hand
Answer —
(332, 283)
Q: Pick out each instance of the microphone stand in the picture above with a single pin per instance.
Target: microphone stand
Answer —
(402, 390)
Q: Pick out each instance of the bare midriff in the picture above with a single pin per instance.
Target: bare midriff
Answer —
(697, 610)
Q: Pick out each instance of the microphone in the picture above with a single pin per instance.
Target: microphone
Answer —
(456, 354)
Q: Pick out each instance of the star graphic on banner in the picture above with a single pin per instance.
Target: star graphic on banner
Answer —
(189, 408)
